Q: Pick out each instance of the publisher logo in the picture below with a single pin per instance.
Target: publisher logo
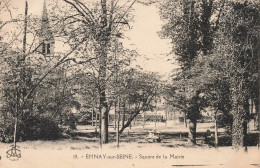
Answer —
(14, 153)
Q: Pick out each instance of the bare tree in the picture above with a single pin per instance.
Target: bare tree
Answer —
(103, 22)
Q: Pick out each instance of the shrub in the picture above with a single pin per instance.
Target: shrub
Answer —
(33, 127)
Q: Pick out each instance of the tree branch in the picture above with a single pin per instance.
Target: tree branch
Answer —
(45, 75)
(220, 11)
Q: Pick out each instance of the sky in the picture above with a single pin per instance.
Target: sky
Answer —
(143, 36)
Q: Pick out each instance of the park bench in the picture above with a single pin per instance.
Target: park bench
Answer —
(153, 136)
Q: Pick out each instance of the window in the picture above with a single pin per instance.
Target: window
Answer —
(43, 48)
(48, 48)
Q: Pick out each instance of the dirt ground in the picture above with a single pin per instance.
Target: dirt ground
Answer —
(79, 153)
(82, 150)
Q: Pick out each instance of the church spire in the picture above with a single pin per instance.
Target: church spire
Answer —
(45, 13)
(45, 27)
(45, 35)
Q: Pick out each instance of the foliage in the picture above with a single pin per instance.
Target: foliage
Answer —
(141, 91)
(33, 127)
(25, 86)
(225, 67)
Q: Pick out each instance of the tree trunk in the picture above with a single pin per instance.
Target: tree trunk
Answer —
(192, 131)
(108, 116)
(96, 114)
(258, 104)
(216, 130)
(143, 119)
(185, 120)
(251, 105)
(155, 121)
(115, 117)
(118, 125)
(15, 125)
(103, 39)
(130, 119)
(240, 111)
(19, 108)
(100, 127)
(257, 111)
(123, 119)
(92, 116)
(96, 124)
(25, 31)
(103, 99)
(104, 125)
(239, 128)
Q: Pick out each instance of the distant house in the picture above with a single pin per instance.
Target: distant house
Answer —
(154, 115)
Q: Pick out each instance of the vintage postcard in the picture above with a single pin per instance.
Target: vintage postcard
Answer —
(129, 83)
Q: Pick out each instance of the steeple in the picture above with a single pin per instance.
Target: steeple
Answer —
(44, 13)
(46, 40)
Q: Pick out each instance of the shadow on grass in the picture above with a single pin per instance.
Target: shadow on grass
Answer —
(169, 139)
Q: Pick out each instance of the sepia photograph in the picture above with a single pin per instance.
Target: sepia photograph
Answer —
(129, 83)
